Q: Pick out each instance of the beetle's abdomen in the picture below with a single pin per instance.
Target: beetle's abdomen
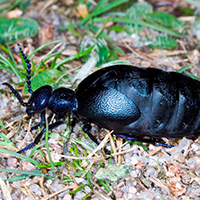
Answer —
(168, 103)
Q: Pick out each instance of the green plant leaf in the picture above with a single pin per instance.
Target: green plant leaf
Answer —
(16, 29)
(100, 50)
(165, 19)
(136, 11)
(163, 42)
(112, 172)
(139, 9)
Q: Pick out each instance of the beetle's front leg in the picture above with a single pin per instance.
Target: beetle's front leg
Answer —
(41, 122)
(39, 136)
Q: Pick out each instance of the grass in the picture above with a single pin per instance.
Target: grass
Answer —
(97, 49)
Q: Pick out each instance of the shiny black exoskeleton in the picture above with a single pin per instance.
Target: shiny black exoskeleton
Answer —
(133, 102)
(137, 102)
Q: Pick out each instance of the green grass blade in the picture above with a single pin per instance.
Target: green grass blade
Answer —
(47, 148)
(43, 46)
(3, 48)
(100, 4)
(35, 148)
(140, 22)
(102, 10)
(11, 55)
(47, 58)
(192, 76)
(186, 67)
(6, 61)
(103, 35)
(70, 27)
(24, 174)
(8, 145)
(3, 136)
(19, 156)
(49, 165)
(15, 29)
(73, 57)
(83, 143)
(78, 189)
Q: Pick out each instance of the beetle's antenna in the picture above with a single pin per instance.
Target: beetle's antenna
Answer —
(28, 70)
(16, 94)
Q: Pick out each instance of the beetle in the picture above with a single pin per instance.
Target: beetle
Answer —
(133, 102)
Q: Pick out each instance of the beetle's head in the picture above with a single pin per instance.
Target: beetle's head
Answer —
(39, 100)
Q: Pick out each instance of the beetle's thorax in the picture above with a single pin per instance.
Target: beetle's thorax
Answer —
(62, 101)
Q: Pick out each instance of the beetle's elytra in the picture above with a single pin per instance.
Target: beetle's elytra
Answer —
(133, 102)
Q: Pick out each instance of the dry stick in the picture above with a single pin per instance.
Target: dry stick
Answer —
(28, 132)
(122, 183)
(46, 5)
(62, 190)
(102, 196)
(101, 145)
(140, 183)
(81, 158)
(119, 143)
(41, 183)
(89, 157)
(5, 190)
(155, 151)
(29, 192)
(140, 54)
(173, 53)
(161, 184)
(12, 122)
(188, 56)
(113, 147)
(88, 168)
(23, 190)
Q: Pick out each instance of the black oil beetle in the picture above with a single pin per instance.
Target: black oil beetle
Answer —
(133, 102)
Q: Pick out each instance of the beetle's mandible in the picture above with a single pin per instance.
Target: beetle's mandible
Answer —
(133, 102)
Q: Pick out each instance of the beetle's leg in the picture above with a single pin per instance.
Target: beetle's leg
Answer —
(164, 145)
(87, 128)
(154, 141)
(41, 123)
(73, 122)
(51, 127)
(39, 136)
